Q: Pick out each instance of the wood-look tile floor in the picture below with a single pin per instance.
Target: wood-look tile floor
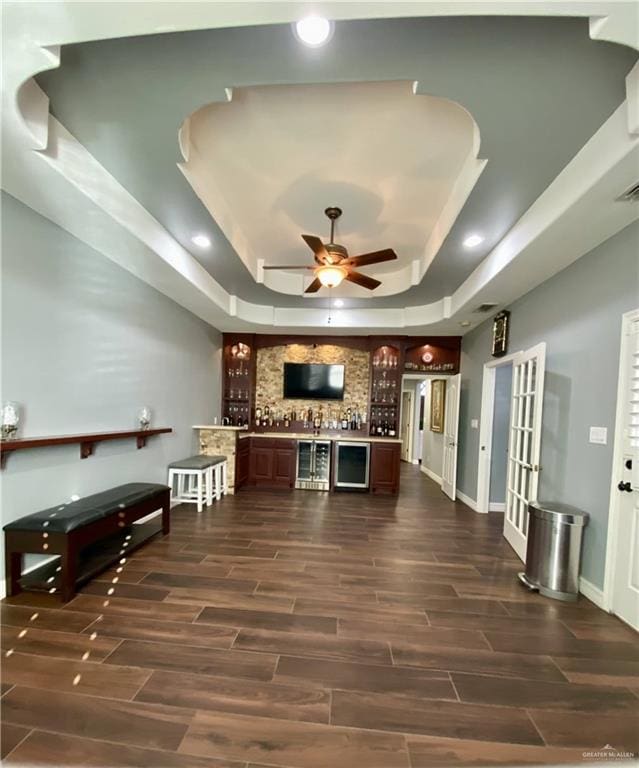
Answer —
(309, 630)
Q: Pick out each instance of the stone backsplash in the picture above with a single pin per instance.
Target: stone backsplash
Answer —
(216, 442)
(270, 376)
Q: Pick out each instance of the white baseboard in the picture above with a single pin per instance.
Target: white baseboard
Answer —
(431, 474)
(467, 500)
(496, 506)
(39, 564)
(414, 461)
(594, 594)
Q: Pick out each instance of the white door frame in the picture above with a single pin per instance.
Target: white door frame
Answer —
(408, 449)
(617, 452)
(487, 416)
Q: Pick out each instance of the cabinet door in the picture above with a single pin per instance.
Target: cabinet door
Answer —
(242, 462)
(284, 467)
(385, 467)
(261, 465)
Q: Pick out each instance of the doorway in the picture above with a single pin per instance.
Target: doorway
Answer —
(498, 455)
(430, 442)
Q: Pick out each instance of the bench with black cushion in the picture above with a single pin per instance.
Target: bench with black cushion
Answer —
(68, 528)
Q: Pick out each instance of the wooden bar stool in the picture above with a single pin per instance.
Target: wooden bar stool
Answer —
(192, 479)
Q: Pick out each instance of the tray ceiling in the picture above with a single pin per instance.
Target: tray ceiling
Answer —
(267, 163)
(536, 91)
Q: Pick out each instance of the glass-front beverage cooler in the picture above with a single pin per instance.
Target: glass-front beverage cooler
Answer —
(313, 465)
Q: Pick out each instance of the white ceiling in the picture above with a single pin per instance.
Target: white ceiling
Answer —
(269, 161)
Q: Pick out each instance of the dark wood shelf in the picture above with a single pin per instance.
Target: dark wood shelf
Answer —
(86, 441)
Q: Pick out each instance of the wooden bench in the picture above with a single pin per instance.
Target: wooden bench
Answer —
(67, 529)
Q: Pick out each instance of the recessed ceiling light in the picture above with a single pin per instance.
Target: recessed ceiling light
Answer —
(465, 323)
(338, 303)
(473, 240)
(313, 30)
(202, 241)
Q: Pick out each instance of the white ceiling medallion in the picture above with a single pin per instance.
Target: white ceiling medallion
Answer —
(472, 241)
(313, 31)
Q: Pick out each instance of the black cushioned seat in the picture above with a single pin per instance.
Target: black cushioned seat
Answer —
(197, 462)
(64, 518)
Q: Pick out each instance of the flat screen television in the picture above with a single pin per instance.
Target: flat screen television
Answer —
(313, 381)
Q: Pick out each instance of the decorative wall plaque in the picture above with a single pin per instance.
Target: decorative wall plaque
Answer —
(501, 328)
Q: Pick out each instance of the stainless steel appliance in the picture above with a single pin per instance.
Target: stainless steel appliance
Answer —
(313, 465)
(352, 464)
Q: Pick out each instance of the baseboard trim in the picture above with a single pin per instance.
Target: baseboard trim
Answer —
(431, 474)
(594, 594)
(467, 500)
(496, 506)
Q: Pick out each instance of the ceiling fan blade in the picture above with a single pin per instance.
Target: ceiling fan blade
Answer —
(317, 246)
(288, 266)
(364, 280)
(314, 286)
(375, 257)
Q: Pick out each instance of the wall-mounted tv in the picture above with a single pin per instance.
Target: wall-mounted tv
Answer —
(313, 381)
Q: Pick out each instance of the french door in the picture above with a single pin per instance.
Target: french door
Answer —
(625, 597)
(524, 444)
(451, 427)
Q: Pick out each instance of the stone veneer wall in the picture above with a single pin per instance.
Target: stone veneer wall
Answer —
(270, 376)
(216, 442)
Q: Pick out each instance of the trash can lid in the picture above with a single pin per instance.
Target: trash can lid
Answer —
(558, 512)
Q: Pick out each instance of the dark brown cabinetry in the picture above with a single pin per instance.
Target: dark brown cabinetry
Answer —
(242, 460)
(384, 473)
(271, 462)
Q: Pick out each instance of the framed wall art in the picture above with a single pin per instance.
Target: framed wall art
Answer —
(437, 403)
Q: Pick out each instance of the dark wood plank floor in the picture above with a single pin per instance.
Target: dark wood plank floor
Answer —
(307, 630)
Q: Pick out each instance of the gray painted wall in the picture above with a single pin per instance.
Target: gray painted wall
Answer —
(84, 345)
(578, 314)
(499, 451)
(433, 444)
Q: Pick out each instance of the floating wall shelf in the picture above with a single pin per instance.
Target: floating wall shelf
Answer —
(86, 441)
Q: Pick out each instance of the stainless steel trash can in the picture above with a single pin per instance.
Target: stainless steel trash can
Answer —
(553, 551)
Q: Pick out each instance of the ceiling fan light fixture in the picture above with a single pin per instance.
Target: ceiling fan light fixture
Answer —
(331, 276)
(313, 30)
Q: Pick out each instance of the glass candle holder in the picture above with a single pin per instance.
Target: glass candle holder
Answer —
(10, 419)
(144, 417)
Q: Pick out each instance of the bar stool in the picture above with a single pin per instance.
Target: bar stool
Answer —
(195, 477)
(218, 478)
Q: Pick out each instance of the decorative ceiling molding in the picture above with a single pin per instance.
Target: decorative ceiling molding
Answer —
(66, 184)
(265, 169)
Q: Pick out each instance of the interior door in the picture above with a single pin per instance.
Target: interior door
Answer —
(625, 597)
(451, 428)
(406, 424)
(524, 444)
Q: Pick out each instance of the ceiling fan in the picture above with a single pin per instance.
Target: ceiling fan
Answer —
(334, 264)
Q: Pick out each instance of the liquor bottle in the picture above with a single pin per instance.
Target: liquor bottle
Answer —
(267, 412)
(393, 429)
(373, 427)
(344, 420)
(380, 427)
(258, 415)
(293, 416)
(354, 418)
(287, 421)
(317, 424)
(310, 416)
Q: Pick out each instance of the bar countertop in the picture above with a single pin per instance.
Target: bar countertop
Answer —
(333, 436)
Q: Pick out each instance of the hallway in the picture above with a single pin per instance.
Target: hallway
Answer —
(309, 630)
